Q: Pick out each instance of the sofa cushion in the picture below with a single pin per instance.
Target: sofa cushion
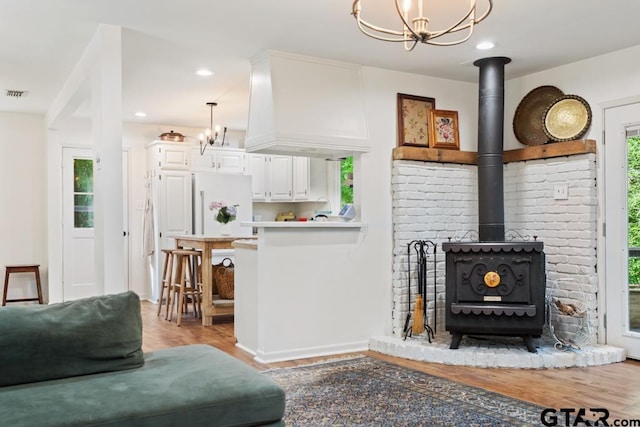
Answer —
(195, 385)
(87, 336)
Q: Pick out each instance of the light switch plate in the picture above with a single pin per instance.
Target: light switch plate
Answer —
(561, 192)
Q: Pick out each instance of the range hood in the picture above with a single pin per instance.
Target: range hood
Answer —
(305, 106)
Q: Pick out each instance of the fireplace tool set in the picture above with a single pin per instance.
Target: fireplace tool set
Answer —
(420, 324)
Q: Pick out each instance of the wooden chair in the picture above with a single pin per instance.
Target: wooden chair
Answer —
(167, 273)
(187, 283)
(25, 268)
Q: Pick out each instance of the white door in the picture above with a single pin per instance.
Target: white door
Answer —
(622, 213)
(78, 271)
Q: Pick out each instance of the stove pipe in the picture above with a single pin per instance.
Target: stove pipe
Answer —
(490, 148)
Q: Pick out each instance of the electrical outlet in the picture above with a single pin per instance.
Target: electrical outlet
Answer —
(561, 192)
(140, 205)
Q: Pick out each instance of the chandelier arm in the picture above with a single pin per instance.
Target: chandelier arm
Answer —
(362, 24)
(458, 27)
(365, 29)
(453, 43)
(409, 49)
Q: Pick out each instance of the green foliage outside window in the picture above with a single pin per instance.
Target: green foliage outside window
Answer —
(83, 193)
(346, 181)
(633, 204)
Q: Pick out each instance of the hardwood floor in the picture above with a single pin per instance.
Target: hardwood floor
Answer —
(615, 387)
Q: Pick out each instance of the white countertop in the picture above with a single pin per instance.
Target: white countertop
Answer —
(304, 224)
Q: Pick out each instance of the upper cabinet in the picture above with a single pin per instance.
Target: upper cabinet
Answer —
(304, 106)
(277, 178)
(301, 179)
(220, 160)
(169, 155)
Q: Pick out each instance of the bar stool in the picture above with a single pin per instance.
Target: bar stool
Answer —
(167, 271)
(186, 282)
(26, 268)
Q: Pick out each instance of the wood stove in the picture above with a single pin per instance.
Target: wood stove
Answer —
(493, 287)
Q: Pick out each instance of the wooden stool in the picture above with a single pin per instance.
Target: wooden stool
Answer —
(186, 282)
(27, 268)
(167, 272)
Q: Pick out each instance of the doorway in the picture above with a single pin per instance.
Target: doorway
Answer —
(622, 233)
(78, 266)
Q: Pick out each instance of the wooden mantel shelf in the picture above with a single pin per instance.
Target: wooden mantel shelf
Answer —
(546, 151)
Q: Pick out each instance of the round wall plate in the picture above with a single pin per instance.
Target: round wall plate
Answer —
(568, 118)
(527, 120)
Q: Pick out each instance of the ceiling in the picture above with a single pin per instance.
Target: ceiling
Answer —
(165, 41)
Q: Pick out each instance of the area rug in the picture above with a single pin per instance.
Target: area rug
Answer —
(365, 391)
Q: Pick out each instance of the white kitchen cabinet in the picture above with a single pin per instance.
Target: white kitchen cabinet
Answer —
(169, 155)
(309, 179)
(271, 177)
(301, 178)
(220, 160)
(257, 168)
(280, 178)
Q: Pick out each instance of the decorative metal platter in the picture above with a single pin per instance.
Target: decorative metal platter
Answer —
(567, 118)
(529, 116)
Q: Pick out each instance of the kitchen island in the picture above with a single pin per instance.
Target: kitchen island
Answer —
(206, 244)
(298, 293)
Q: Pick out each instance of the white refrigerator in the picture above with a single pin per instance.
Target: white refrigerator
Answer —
(231, 190)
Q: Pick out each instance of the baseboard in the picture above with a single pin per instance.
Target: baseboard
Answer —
(303, 353)
(243, 348)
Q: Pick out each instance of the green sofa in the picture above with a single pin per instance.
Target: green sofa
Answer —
(81, 363)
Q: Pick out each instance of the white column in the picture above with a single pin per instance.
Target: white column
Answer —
(106, 119)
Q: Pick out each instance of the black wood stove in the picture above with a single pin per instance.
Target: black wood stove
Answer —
(493, 287)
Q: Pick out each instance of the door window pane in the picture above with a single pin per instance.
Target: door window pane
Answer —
(633, 228)
(83, 193)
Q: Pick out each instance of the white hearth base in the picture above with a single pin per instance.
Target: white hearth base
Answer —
(495, 352)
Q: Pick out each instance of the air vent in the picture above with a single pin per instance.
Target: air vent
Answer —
(16, 93)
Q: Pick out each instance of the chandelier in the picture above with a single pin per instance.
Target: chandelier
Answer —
(210, 136)
(415, 25)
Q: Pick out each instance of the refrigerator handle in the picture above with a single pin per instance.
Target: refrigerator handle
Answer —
(202, 212)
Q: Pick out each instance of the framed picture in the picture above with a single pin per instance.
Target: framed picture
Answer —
(413, 119)
(443, 129)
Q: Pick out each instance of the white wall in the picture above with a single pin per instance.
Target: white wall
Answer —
(603, 81)
(600, 81)
(23, 210)
(373, 172)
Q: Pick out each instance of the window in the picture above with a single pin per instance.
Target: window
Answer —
(83, 193)
(346, 181)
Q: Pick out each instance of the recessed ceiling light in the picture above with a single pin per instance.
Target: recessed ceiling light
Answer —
(485, 45)
(141, 114)
(203, 72)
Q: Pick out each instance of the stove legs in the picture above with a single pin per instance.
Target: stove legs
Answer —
(455, 341)
(529, 343)
(457, 337)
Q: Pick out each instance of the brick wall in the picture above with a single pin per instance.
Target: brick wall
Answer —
(434, 201)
